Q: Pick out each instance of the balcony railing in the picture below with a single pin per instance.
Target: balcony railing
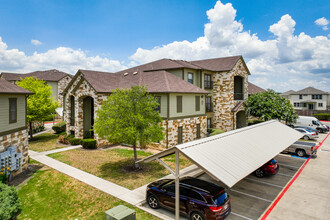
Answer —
(208, 85)
(209, 107)
(238, 96)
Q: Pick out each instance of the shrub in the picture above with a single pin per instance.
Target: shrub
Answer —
(9, 203)
(64, 139)
(75, 141)
(3, 177)
(88, 143)
(87, 135)
(323, 116)
(216, 131)
(59, 127)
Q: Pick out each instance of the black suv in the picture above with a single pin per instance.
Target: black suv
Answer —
(198, 199)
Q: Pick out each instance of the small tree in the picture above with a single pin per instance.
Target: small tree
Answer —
(39, 105)
(270, 105)
(129, 116)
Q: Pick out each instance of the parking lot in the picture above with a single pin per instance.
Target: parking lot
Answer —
(251, 196)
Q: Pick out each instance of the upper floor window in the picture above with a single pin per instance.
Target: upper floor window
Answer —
(179, 104)
(208, 84)
(208, 104)
(316, 96)
(191, 78)
(158, 98)
(12, 110)
(238, 88)
(300, 96)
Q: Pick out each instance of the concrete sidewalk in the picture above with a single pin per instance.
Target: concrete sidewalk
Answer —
(309, 196)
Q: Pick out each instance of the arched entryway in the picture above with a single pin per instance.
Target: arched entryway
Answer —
(240, 119)
(88, 116)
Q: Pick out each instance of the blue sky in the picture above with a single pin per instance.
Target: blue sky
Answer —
(106, 35)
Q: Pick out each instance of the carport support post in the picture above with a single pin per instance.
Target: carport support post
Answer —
(177, 191)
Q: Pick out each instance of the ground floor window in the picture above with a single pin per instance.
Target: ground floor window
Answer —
(198, 131)
(179, 135)
(320, 104)
(209, 123)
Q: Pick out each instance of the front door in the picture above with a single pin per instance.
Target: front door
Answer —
(310, 106)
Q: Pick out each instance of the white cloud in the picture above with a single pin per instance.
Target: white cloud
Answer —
(322, 22)
(279, 62)
(36, 42)
(61, 58)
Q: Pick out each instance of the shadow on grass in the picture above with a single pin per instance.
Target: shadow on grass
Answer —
(25, 175)
(123, 172)
(42, 138)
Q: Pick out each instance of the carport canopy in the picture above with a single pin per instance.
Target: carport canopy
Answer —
(233, 155)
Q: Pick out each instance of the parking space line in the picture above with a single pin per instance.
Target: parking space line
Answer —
(286, 165)
(257, 197)
(270, 184)
(282, 174)
(242, 216)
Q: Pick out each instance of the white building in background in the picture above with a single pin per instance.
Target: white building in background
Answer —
(309, 99)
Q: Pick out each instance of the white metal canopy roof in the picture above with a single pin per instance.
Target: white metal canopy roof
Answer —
(231, 156)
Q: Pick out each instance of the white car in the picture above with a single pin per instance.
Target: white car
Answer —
(308, 134)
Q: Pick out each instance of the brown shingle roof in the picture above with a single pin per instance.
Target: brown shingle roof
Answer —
(288, 92)
(217, 64)
(47, 75)
(157, 81)
(309, 91)
(9, 88)
(252, 89)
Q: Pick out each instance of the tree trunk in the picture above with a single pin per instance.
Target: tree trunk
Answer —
(30, 124)
(135, 158)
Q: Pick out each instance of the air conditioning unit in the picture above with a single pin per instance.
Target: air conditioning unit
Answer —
(120, 212)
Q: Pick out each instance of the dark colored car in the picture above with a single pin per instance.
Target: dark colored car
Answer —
(198, 199)
(269, 168)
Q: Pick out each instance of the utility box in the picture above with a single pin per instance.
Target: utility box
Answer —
(120, 213)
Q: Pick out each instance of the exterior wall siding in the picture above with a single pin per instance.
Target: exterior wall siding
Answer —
(54, 89)
(308, 100)
(19, 139)
(4, 112)
(188, 105)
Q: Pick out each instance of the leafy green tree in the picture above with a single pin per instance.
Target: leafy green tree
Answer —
(270, 105)
(39, 105)
(129, 116)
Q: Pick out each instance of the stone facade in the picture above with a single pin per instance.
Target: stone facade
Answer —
(189, 131)
(80, 89)
(62, 84)
(223, 96)
(19, 139)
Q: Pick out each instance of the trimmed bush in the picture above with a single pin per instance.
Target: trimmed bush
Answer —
(215, 131)
(9, 203)
(88, 143)
(323, 116)
(59, 127)
(75, 141)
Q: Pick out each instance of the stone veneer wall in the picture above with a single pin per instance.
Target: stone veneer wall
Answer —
(188, 131)
(223, 97)
(20, 139)
(62, 84)
(83, 90)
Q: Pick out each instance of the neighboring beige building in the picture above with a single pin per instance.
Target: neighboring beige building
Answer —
(56, 79)
(192, 95)
(13, 131)
(309, 101)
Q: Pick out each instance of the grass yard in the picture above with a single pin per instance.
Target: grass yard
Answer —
(53, 195)
(44, 142)
(113, 165)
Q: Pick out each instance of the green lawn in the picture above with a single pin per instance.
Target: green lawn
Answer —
(53, 195)
(113, 165)
(44, 142)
